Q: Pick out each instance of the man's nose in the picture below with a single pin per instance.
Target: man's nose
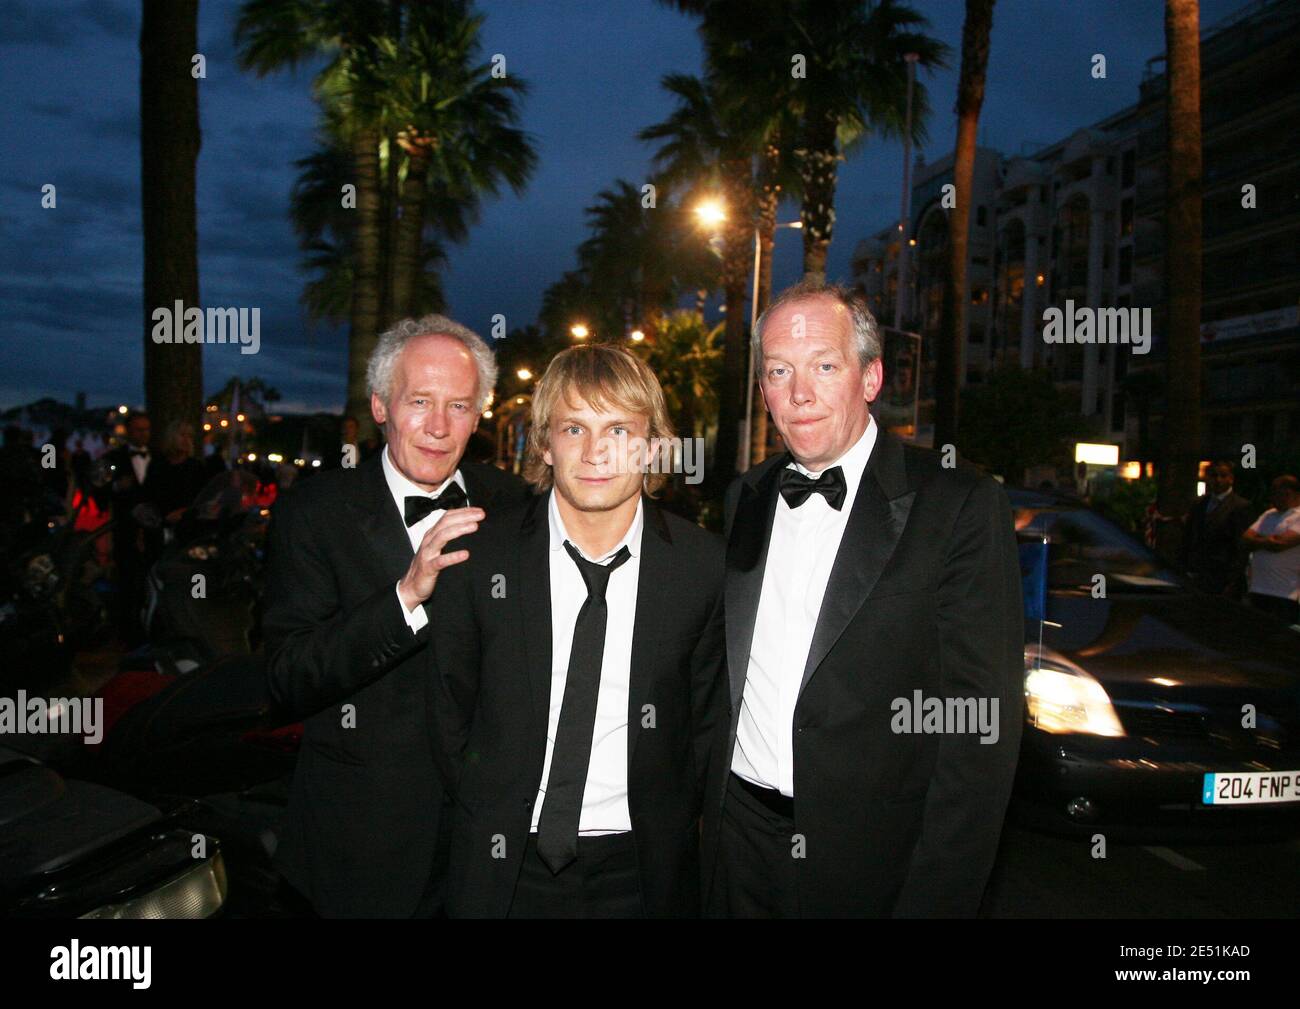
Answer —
(435, 422)
(801, 390)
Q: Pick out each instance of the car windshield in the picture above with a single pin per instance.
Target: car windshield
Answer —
(1082, 544)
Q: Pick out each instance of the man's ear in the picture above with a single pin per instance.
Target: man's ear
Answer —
(378, 409)
(873, 378)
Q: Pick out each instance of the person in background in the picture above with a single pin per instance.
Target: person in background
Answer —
(1212, 544)
(135, 543)
(177, 477)
(1274, 542)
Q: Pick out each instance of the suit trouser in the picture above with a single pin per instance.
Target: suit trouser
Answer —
(603, 882)
(755, 875)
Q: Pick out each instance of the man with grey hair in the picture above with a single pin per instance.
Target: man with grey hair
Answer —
(354, 555)
(862, 574)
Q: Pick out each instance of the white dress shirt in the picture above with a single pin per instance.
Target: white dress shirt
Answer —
(401, 488)
(139, 464)
(604, 801)
(800, 556)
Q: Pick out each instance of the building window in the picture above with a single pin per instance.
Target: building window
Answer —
(1126, 265)
(1126, 168)
(981, 216)
(1126, 216)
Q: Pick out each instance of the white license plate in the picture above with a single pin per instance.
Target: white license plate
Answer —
(1247, 787)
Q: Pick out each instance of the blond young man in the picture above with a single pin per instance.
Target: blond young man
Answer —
(576, 671)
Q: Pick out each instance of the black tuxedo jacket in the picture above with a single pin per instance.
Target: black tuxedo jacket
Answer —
(359, 837)
(1212, 547)
(489, 696)
(924, 595)
(127, 492)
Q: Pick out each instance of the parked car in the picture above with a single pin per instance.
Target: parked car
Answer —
(76, 849)
(1151, 707)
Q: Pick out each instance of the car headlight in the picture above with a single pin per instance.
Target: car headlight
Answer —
(198, 892)
(1061, 697)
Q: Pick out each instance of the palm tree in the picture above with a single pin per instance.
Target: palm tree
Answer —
(169, 151)
(1177, 482)
(687, 359)
(856, 87)
(970, 97)
(639, 259)
(706, 144)
(452, 120)
(279, 34)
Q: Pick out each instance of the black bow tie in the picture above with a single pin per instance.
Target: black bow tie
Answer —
(797, 488)
(418, 507)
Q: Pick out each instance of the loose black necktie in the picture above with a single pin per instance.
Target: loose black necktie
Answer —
(417, 507)
(557, 828)
(796, 488)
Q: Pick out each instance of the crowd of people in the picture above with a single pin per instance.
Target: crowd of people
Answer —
(1229, 551)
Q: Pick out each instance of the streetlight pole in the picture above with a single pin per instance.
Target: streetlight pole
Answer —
(743, 456)
(903, 216)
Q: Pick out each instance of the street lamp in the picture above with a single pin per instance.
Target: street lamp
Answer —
(711, 213)
(524, 374)
(636, 336)
(578, 331)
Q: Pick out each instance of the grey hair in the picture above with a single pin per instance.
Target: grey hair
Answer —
(866, 331)
(379, 369)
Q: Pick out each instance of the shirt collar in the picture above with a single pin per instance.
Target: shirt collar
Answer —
(631, 539)
(1224, 496)
(853, 462)
(401, 488)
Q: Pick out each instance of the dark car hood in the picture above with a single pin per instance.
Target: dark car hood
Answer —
(1207, 646)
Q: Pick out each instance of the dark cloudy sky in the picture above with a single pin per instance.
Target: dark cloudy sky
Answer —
(71, 317)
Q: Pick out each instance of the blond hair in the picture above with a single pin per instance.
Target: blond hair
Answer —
(601, 375)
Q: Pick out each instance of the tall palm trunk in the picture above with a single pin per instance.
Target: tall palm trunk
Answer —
(365, 288)
(818, 167)
(169, 151)
(970, 98)
(737, 256)
(407, 266)
(1181, 443)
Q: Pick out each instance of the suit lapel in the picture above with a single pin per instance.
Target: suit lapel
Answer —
(751, 530)
(653, 602)
(380, 521)
(533, 574)
(874, 527)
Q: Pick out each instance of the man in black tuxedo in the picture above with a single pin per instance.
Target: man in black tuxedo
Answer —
(1212, 549)
(354, 554)
(136, 543)
(576, 674)
(874, 643)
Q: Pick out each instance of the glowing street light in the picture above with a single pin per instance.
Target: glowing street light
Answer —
(524, 374)
(711, 213)
(636, 336)
(579, 331)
